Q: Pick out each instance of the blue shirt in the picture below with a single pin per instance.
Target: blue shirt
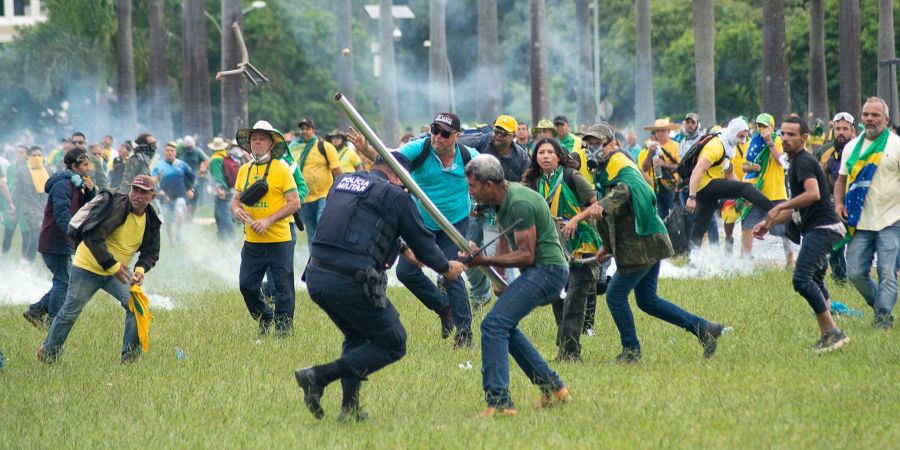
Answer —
(174, 178)
(445, 186)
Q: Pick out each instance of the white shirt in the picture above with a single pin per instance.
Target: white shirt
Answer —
(882, 206)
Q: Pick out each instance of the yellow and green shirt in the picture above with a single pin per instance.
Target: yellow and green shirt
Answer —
(281, 182)
(317, 170)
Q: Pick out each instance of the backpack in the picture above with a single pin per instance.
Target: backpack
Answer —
(689, 161)
(90, 215)
(426, 150)
(676, 226)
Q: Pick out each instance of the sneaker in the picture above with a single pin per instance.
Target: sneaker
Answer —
(35, 317)
(883, 321)
(629, 356)
(446, 323)
(561, 396)
(312, 392)
(709, 337)
(832, 339)
(463, 342)
(492, 411)
(352, 414)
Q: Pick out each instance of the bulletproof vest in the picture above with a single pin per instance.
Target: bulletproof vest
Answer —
(355, 222)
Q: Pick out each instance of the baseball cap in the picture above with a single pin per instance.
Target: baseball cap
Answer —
(765, 119)
(560, 119)
(400, 159)
(447, 121)
(600, 130)
(307, 122)
(507, 123)
(144, 182)
(845, 116)
(693, 116)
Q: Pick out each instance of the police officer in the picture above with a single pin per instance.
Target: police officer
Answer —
(357, 240)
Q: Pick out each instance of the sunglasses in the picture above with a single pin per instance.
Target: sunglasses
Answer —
(435, 130)
(501, 131)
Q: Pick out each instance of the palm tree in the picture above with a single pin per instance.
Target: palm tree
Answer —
(490, 99)
(196, 106)
(584, 95)
(160, 106)
(704, 62)
(345, 60)
(388, 81)
(125, 59)
(818, 78)
(887, 79)
(775, 90)
(540, 91)
(439, 87)
(234, 88)
(643, 77)
(848, 52)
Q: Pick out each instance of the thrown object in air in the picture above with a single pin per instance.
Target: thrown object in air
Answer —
(244, 67)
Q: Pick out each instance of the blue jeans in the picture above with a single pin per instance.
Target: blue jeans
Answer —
(53, 300)
(643, 282)
(83, 284)
(481, 230)
(500, 335)
(860, 252)
(311, 213)
(425, 290)
(811, 265)
(224, 221)
(665, 201)
(256, 259)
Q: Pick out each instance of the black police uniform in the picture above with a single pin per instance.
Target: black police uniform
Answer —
(357, 240)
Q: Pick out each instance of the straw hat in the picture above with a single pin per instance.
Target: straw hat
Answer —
(217, 144)
(662, 124)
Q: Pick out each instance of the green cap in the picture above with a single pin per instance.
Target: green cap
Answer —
(766, 119)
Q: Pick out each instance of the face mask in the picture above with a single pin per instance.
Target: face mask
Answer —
(35, 162)
(262, 159)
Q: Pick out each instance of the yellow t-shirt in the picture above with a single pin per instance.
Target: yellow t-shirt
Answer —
(122, 243)
(773, 181)
(281, 182)
(640, 163)
(714, 150)
(317, 171)
(671, 148)
(582, 158)
(349, 160)
(737, 162)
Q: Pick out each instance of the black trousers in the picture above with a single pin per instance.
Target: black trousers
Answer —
(708, 201)
(278, 257)
(812, 263)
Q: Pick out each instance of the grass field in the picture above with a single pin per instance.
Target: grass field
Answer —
(763, 387)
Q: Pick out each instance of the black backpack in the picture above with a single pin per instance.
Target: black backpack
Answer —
(689, 161)
(426, 150)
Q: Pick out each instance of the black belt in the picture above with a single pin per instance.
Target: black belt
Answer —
(356, 275)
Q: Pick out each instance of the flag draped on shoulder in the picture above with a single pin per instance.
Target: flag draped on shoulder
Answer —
(621, 169)
(861, 168)
(139, 304)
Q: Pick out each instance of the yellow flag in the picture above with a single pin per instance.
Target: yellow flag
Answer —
(140, 306)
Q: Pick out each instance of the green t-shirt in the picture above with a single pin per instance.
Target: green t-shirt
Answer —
(522, 202)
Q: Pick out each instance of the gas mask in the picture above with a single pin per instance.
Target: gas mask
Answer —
(147, 149)
(595, 157)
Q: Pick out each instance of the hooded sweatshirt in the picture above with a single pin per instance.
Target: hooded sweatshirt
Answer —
(65, 200)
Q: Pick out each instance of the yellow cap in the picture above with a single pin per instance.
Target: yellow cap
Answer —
(508, 123)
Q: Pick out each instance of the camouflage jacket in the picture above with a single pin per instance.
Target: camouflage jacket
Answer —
(617, 229)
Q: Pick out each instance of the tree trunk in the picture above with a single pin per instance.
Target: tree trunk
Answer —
(540, 89)
(388, 81)
(704, 62)
(644, 110)
(439, 84)
(584, 95)
(234, 88)
(196, 106)
(850, 99)
(160, 102)
(125, 56)
(490, 98)
(818, 78)
(345, 61)
(775, 91)
(887, 75)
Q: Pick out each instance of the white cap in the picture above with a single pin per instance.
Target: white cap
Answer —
(189, 141)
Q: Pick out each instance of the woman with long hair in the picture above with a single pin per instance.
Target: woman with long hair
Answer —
(553, 175)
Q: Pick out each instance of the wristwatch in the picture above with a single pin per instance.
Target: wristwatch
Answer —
(692, 197)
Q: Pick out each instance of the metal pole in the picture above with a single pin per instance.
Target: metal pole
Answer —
(411, 185)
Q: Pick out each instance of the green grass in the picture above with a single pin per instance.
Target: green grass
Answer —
(764, 388)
